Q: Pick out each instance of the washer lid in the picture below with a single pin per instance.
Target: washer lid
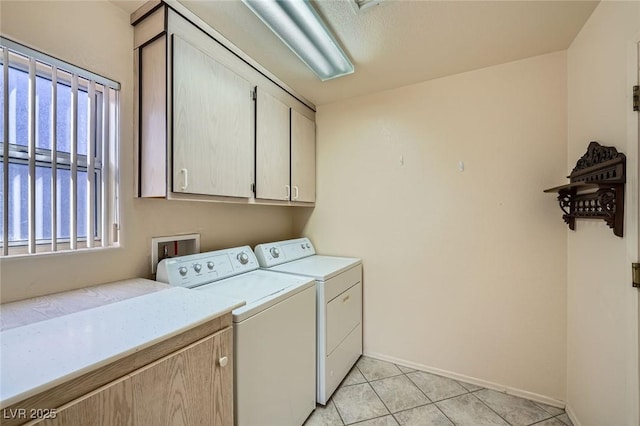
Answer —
(260, 289)
(318, 267)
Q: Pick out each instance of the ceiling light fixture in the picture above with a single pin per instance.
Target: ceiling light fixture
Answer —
(299, 26)
(365, 4)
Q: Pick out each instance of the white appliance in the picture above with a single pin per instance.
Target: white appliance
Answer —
(274, 333)
(339, 305)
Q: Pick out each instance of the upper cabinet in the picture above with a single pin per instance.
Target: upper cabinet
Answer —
(303, 158)
(273, 154)
(285, 152)
(211, 124)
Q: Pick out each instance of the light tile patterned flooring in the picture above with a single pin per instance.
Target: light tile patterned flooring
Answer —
(379, 393)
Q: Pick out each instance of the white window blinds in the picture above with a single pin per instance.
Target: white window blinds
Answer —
(58, 168)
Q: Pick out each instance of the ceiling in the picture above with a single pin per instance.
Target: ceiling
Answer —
(401, 42)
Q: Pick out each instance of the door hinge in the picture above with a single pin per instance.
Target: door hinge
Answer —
(253, 188)
(636, 98)
(635, 268)
(254, 93)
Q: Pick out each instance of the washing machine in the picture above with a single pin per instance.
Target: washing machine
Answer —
(274, 332)
(339, 305)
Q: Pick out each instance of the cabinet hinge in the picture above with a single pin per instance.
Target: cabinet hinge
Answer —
(636, 98)
(254, 94)
(253, 188)
(635, 268)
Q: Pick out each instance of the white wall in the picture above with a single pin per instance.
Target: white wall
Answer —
(96, 35)
(602, 312)
(463, 271)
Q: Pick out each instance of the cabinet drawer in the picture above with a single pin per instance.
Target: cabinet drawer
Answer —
(343, 314)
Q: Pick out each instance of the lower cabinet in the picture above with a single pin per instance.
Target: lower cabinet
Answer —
(193, 386)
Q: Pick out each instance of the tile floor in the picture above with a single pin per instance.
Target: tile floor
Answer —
(379, 393)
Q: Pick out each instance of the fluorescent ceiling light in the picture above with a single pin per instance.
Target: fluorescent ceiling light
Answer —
(299, 26)
(365, 4)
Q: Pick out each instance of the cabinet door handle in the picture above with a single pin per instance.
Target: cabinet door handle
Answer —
(288, 191)
(346, 298)
(223, 361)
(295, 191)
(185, 180)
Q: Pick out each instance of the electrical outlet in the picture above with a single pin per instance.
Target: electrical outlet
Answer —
(172, 246)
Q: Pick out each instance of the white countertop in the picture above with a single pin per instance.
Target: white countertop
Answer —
(39, 356)
(42, 308)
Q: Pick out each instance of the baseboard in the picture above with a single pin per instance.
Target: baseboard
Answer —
(572, 416)
(485, 384)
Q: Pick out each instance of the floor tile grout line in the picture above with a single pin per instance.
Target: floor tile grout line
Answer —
(431, 402)
(467, 392)
(444, 414)
(429, 399)
(423, 392)
(337, 411)
(504, 393)
(497, 414)
(562, 421)
(547, 411)
(372, 418)
(443, 399)
(383, 403)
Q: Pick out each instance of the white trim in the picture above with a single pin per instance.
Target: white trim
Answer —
(54, 158)
(473, 380)
(31, 135)
(5, 153)
(572, 416)
(73, 148)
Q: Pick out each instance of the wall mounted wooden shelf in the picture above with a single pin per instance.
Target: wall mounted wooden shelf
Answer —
(595, 189)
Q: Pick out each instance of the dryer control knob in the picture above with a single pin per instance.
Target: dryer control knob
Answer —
(182, 270)
(197, 267)
(210, 264)
(243, 258)
(308, 246)
(275, 252)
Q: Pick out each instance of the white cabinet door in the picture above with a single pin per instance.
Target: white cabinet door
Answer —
(212, 125)
(272, 148)
(303, 158)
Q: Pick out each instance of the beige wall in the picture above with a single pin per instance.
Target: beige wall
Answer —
(602, 314)
(464, 272)
(97, 36)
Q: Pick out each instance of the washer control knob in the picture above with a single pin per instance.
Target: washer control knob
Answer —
(302, 245)
(182, 270)
(210, 264)
(243, 258)
(275, 252)
(197, 267)
(308, 246)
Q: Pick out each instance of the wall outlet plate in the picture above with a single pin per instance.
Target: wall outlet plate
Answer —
(172, 246)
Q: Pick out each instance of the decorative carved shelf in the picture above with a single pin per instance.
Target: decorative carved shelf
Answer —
(596, 188)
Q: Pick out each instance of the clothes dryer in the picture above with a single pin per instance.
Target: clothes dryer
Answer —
(339, 305)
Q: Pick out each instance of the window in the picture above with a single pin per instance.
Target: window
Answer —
(58, 149)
